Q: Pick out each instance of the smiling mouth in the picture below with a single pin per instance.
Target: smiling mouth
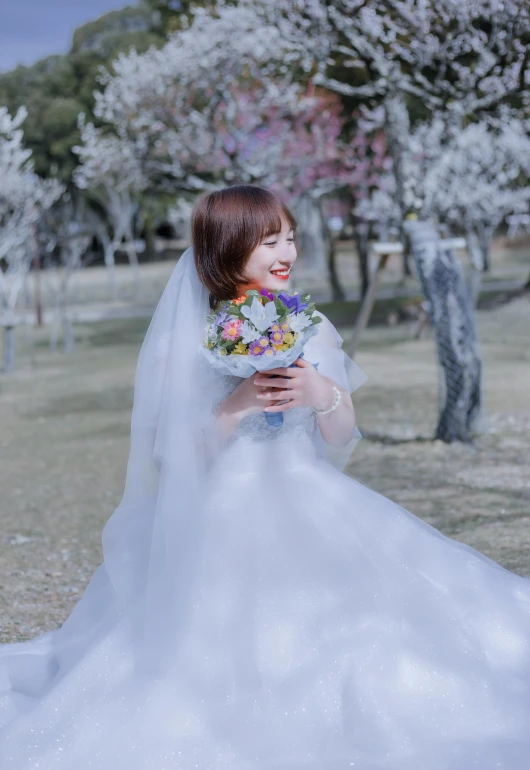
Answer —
(281, 273)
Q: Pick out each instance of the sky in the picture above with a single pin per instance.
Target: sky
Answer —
(32, 29)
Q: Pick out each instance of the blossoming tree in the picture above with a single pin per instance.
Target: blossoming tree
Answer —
(457, 59)
(218, 105)
(23, 197)
(112, 175)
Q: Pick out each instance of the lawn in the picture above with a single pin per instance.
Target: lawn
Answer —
(64, 432)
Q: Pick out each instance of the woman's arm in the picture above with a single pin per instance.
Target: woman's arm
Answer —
(241, 402)
(227, 418)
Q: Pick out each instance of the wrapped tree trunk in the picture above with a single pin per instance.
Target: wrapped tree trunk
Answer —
(451, 315)
(476, 266)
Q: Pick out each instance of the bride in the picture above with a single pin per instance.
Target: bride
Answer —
(257, 608)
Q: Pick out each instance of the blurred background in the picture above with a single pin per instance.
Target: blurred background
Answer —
(398, 134)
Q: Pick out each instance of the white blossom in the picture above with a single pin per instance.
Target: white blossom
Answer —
(249, 333)
(262, 316)
(298, 321)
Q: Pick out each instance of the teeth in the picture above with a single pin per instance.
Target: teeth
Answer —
(280, 272)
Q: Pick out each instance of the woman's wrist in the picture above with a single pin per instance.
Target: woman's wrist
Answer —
(327, 398)
(227, 418)
(337, 397)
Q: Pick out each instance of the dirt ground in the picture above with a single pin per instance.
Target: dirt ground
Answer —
(64, 435)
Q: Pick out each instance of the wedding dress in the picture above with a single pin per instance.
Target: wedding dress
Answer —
(321, 626)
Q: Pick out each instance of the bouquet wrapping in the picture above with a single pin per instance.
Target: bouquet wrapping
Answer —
(259, 331)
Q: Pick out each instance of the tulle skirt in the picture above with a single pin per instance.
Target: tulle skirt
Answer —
(329, 628)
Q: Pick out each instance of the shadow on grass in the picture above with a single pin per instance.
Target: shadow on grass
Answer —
(130, 331)
(381, 438)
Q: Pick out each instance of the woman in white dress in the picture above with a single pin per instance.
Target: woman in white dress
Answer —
(256, 607)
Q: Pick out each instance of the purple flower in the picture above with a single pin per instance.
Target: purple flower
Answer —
(276, 334)
(267, 293)
(222, 316)
(294, 302)
(257, 347)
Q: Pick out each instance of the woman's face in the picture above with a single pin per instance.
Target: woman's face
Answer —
(269, 265)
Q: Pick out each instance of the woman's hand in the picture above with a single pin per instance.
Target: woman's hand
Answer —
(241, 402)
(300, 385)
(303, 385)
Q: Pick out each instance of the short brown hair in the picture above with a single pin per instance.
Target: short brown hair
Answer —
(226, 226)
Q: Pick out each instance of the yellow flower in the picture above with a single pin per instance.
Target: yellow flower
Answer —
(223, 351)
(241, 348)
(282, 346)
(289, 339)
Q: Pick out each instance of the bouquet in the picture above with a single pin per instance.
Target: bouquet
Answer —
(260, 330)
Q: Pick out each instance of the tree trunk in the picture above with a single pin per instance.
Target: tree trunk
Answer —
(9, 349)
(361, 232)
(405, 259)
(337, 292)
(484, 236)
(311, 235)
(397, 130)
(67, 333)
(149, 237)
(54, 331)
(110, 264)
(474, 252)
(135, 267)
(451, 316)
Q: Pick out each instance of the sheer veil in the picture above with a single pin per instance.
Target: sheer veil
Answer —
(150, 541)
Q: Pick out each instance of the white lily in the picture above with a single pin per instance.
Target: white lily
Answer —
(262, 316)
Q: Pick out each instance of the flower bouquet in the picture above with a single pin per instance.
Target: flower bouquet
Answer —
(259, 331)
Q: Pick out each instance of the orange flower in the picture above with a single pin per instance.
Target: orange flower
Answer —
(239, 300)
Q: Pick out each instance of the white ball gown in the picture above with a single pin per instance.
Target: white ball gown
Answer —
(328, 628)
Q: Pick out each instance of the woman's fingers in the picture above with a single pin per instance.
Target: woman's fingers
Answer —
(278, 395)
(279, 407)
(280, 382)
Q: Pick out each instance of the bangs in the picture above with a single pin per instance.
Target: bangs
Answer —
(268, 218)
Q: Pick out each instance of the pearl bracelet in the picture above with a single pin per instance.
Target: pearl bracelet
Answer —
(338, 397)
